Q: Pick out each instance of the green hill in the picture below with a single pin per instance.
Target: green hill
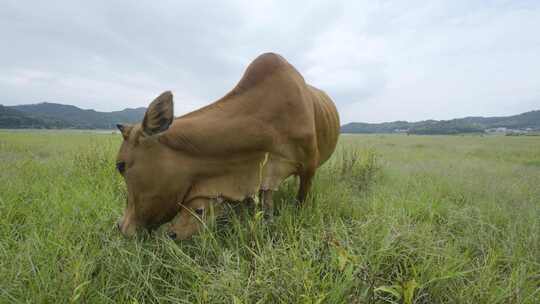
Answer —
(48, 115)
(528, 120)
(59, 116)
(11, 118)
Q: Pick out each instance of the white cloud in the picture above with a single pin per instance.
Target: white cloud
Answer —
(379, 60)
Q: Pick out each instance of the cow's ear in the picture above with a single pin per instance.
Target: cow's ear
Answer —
(124, 130)
(159, 115)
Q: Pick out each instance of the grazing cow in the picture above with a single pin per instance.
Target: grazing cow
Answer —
(270, 126)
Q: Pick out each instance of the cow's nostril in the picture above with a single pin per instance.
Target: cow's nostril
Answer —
(172, 235)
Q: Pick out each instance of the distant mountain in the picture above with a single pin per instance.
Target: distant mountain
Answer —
(529, 120)
(59, 116)
(11, 118)
(48, 115)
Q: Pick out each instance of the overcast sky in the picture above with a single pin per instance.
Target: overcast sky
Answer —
(378, 60)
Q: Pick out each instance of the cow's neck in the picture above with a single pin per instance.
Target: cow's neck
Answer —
(226, 127)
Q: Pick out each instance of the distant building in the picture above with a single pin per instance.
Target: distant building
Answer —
(401, 130)
(497, 130)
(516, 132)
(508, 131)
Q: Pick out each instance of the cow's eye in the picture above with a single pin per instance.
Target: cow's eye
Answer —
(121, 167)
(199, 211)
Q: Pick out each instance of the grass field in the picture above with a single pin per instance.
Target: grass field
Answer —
(391, 219)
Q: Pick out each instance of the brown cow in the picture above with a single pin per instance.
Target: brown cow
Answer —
(270, 126)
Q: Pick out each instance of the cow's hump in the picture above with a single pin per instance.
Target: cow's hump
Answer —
(261, 68)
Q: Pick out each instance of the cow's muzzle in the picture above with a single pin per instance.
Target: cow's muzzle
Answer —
(126, 227)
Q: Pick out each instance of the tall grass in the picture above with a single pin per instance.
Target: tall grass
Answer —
(391, 219)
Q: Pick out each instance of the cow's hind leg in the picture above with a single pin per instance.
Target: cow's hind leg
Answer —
(265, 197)
(305, 185)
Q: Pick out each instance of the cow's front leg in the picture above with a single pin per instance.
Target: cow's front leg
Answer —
(265, 197)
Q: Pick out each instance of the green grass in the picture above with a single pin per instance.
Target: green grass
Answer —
(391, 219)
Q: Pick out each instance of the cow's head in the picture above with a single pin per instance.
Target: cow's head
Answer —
(154, 173)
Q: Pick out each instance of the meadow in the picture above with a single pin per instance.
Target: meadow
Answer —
(391, 219)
